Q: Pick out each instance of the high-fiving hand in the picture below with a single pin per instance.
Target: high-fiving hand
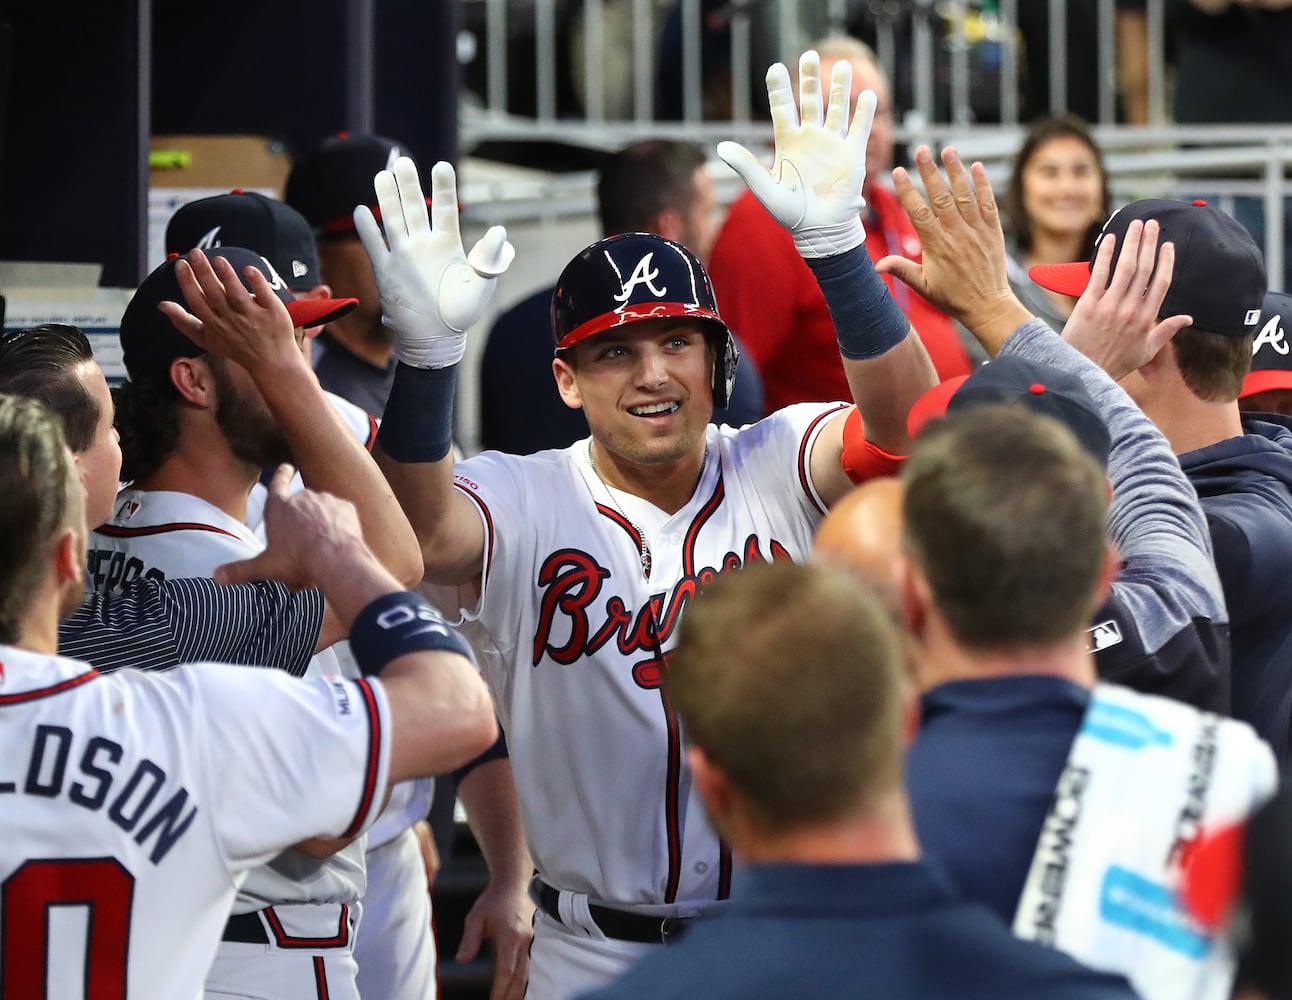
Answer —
(814, 186)
(431, 290)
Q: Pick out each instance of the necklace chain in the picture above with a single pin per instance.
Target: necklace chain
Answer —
(643, 549)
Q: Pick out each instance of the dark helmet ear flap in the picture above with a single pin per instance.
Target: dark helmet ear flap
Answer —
(724, 369)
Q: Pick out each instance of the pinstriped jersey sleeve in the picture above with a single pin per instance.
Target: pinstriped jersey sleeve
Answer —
(158, 625)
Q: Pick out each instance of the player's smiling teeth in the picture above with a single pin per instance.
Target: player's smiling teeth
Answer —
(653, 409)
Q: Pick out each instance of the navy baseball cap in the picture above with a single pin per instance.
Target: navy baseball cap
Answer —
(1271, 353)
(150, 342)
(248, 219)
(328, 183)
(1219, 276)
(1018, 381)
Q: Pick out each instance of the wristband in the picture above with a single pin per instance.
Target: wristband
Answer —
(867, 322)
(399, 623)
(417, 425)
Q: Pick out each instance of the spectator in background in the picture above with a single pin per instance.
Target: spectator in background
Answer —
(770, 295)
(654, 186)
(353, 355)
(1056, 204)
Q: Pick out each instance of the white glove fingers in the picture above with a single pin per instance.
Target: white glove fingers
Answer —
(492, 254)
(810, 89)
(836, 114)
(752, 172)
(411, 198)
(862, 121)
(370, 234)
(780, 97)
(392, 211)
(444, 200)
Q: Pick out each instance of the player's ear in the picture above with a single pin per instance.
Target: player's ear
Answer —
(668, 223)
(566, 384)
(915, 595)
(712, 786)
(193, 380)
(69, 557)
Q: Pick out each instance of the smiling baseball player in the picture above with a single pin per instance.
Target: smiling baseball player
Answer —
(570, 568)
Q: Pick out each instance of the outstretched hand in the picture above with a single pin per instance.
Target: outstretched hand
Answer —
(252, 328)
(306, 534)
(432, 291)
(814, 186)
(963, 270)
(1115, 322)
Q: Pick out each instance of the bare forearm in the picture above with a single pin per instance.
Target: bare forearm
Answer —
(426, 492)
(884, 389)
(489, 794)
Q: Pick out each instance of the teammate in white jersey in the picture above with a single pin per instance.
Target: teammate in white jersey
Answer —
(198, 427)
(394, 949)
(570, 569)
(134, 804)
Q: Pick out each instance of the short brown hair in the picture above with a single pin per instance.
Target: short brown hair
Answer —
(789, 678)
(40, 364)
(1213, 365)
(1004, 514)
(39, 495)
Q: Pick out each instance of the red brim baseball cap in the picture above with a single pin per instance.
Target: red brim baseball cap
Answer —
(316, 312)
(1018, 381)
(1271, 353)
(1066, 279)
(1219, 276)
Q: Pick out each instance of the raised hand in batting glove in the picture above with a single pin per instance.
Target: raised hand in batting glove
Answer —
(814, 186)
(431, 290)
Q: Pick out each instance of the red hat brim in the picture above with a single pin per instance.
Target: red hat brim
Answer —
(1066, 279)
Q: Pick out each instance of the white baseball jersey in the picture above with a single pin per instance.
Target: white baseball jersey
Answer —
(572, 637)
(157, 532)
(134, 803)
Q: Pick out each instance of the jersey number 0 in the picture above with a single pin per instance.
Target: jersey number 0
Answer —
(100, 885)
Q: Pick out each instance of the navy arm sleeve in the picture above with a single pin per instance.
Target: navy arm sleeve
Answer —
(1164, 629)
(157, 625)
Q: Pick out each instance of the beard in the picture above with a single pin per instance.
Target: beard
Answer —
(246, 424)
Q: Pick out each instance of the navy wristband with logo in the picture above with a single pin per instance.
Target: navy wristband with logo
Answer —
(399, 623)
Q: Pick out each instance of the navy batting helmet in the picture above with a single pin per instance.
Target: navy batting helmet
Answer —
(636, 276)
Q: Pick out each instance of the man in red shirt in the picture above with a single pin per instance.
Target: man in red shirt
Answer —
(770, 298)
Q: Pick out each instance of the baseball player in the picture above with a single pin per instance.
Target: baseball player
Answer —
(282, 236)
(136, 803)
(151, 625)
(569, 569)
(395, 950)
(295, 918)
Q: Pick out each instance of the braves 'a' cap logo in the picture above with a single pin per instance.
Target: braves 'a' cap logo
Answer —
(1271, 334)
(643, 274)
(210, 240)
(275, 282)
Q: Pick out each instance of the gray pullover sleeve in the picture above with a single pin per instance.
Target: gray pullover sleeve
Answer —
(1164, 629)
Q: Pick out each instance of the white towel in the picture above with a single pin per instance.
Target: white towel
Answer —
(1144, 775)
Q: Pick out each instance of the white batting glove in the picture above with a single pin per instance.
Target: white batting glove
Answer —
(814, 186)
(431, 291)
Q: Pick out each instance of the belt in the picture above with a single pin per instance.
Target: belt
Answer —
(619, 924)
(245, 928)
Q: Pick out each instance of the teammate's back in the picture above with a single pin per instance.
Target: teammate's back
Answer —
(136, 803)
